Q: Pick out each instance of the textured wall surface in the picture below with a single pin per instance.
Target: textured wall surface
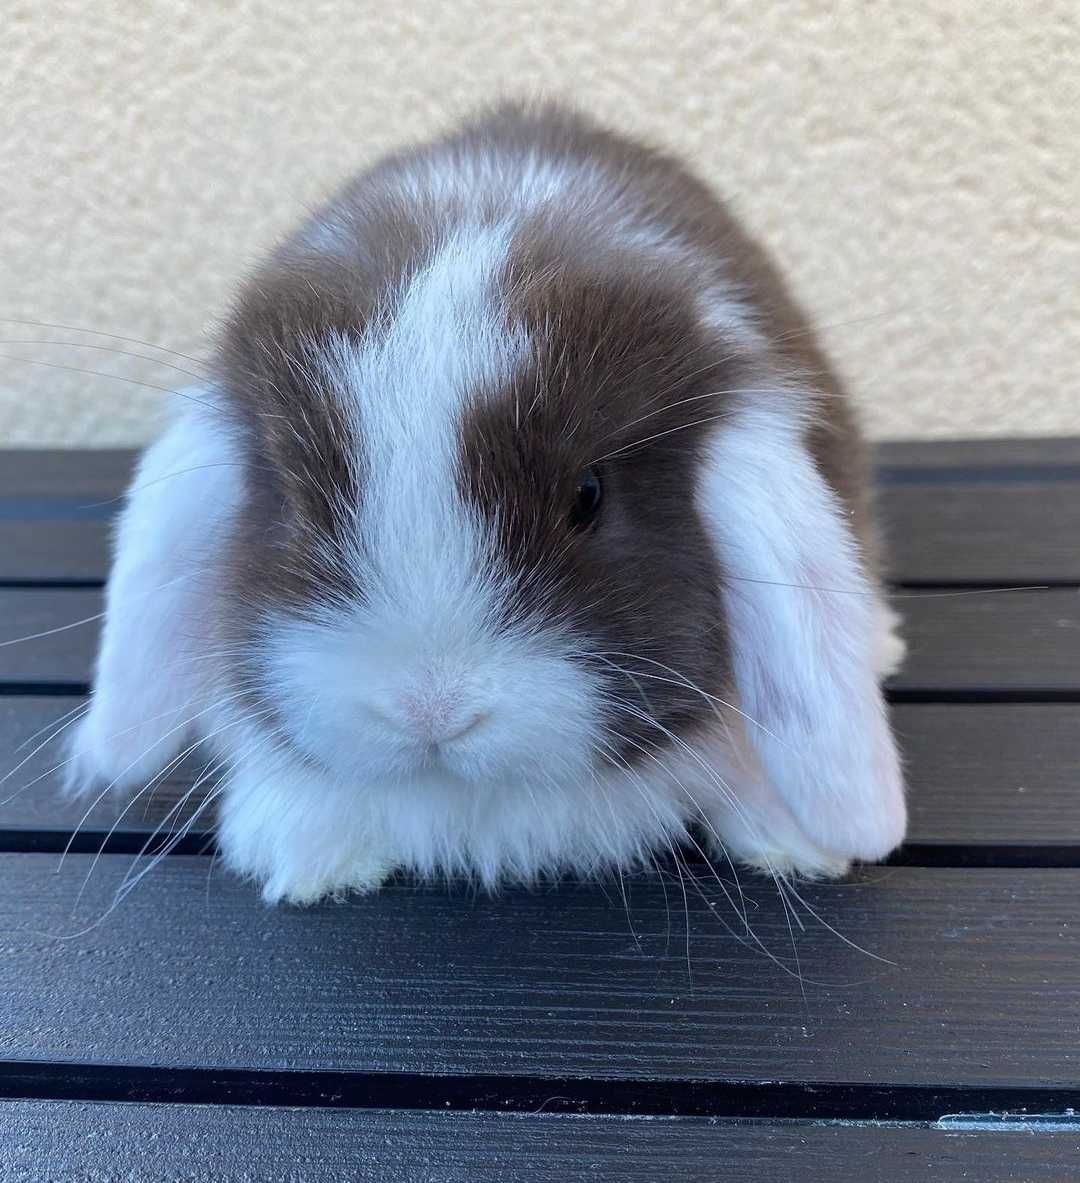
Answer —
(916, 167)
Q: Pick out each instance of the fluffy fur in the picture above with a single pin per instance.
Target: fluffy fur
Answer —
(353, 566)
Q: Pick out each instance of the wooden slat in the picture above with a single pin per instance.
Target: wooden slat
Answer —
(984, 773)
(102, 472)
(54, 551)
(975, 511)
(226, 1143)
(1040, 451)
(989, 511)
(981, 985)
(64, 656)
(1005, 773)
(1011, 641)
(82, 474)
(1003, 534)
(56, 510)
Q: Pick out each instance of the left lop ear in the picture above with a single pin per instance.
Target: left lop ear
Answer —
(805, 623)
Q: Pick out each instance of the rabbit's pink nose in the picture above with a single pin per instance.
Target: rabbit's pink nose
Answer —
(432, 715)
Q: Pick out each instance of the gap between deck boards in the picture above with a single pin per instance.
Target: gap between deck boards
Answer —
(970, 695)
(134, 843)
(772, 1100)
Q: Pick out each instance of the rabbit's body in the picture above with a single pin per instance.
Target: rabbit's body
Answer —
(523, 527)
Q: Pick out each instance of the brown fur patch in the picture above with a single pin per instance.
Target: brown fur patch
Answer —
(624, 383)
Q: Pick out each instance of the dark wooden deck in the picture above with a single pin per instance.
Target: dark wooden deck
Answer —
(558, 1034)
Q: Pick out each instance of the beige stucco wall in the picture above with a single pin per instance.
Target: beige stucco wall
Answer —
(914, 164)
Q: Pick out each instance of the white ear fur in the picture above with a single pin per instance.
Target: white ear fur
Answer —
(805, 662)
(149, 681)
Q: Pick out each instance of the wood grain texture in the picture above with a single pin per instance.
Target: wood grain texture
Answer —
(247, 1145)
(1002, 534)
(981, 985)
(981, 773)
(1006, 773)
(1013, 641)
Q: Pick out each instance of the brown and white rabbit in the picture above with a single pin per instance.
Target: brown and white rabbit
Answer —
(521, 528)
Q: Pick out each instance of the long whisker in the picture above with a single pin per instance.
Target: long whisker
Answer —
(63, 726)
(127, 884)
(50, 632)
(52, 365)
(740, 910)
(836, 933)
(157, 361)
(63, 628)
(747, 820)
(850, 591)
(689, 685)
(79, 706)
(680, 403)
(775, 875)
(168, 476)
(45, 324)
(156, 779)
(660, 435)
(211, 770)
(120, 775)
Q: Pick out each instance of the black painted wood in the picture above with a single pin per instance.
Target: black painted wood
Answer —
(35, 551)
(1003, 773)
(992, 773)
(1011, 641)
(1015, 641)
(80, 475)
(558, 989)
(1002, 512)
(41, 639)
(56, 512)
(981, 985)
(986, 454)
(137, 1141)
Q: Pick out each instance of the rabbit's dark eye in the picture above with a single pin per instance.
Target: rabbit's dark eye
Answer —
(588, 493)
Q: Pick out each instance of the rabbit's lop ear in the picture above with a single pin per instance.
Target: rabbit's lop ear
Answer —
(148, 696)
(803, 619)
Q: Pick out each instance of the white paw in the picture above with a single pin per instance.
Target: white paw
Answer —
(790, 854)
(298, 836)
(797, 864)
(890, 647)
(761, 832)
(302, 885)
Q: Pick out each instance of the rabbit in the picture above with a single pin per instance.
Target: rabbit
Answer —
(521, 528)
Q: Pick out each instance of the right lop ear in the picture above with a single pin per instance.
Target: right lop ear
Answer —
(804, 621)
(151, 663)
